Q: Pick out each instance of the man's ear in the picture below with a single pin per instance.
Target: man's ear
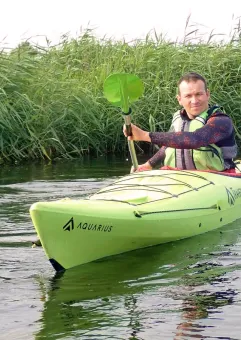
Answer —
(179, 99)
(208, 93)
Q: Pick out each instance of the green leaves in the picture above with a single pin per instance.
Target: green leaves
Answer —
(122, 89)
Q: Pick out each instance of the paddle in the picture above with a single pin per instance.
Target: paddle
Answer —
(122, 89)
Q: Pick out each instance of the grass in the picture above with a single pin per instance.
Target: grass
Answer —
(51, 99)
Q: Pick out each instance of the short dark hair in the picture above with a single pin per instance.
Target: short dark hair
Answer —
(192, 76)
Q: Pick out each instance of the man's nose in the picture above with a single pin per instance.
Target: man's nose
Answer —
(193, 99)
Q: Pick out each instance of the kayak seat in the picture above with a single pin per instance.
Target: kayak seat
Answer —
(138, 198)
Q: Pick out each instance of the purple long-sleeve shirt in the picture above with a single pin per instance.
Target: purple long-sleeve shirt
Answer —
(216, 129)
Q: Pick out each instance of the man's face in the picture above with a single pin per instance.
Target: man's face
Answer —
(193, 97)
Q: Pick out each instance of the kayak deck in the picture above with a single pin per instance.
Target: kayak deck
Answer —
(148, 187)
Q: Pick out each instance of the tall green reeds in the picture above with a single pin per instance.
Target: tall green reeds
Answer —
(51, 99)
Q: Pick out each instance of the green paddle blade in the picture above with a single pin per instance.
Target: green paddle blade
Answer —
(122, 89)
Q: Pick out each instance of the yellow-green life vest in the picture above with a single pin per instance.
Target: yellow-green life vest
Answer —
(205, 158)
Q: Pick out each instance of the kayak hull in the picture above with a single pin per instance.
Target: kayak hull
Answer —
(136, 211)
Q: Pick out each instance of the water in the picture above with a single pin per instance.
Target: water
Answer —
(183, 290)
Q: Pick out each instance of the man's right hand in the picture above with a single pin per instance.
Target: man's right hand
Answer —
(137, 134)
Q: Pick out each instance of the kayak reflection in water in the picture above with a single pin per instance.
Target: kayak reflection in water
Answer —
(201, 136)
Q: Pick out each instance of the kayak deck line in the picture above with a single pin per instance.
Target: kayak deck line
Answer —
(152, 201)
(142, 213)
(170, 175)
(148, 188)
(143, 186)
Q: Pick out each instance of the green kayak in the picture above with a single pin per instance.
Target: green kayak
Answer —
(138, 210)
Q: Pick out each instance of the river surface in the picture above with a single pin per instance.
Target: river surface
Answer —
(190, 289)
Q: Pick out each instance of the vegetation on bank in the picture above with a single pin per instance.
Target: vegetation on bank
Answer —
(51, 99)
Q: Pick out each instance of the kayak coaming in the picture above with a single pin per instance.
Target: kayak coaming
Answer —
(136, 211)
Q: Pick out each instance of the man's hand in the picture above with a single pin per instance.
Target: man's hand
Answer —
(137, 134)
(143, 167)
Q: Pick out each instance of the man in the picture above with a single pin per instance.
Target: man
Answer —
(201, 137)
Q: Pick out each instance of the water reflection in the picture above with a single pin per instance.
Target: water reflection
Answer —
(199, 303)
(160, 290)
(84, 168)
